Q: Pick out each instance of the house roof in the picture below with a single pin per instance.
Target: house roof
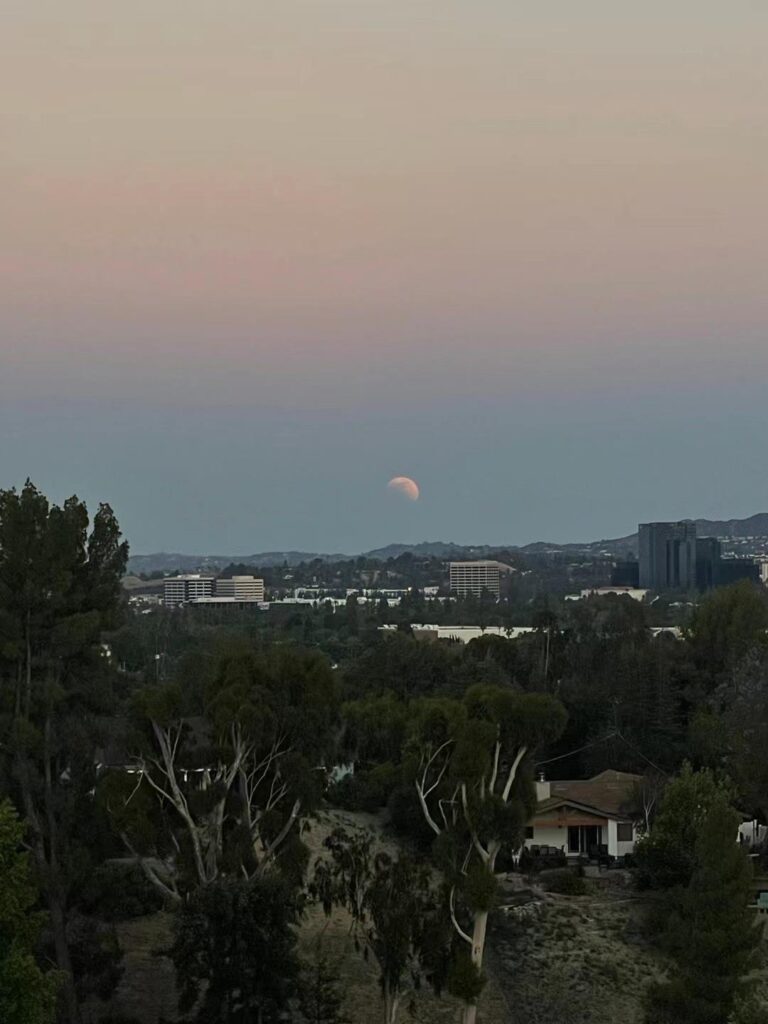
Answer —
(565, 808)
(610, 792)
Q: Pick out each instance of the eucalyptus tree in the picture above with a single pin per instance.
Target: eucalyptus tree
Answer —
(59, 590)
(394, 907)
(224, 774)
(234, 951)
(472, 768)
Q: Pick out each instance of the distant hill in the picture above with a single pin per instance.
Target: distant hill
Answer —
(754, 526)
(427, 549)
(734, 529)
(164, 562)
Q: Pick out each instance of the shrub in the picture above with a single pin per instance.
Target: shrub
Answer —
(407, 817)
(563, 881)
(119, 892)
(365, 791)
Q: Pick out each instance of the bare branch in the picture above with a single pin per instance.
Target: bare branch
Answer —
(271, 848)
(495, 771)
(148, 866)
(429, 765)
(483, 853)
(456, 925)
(425, 809)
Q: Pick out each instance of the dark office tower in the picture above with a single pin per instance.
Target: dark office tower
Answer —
(668, 556)
(707, 562)
(625, 574)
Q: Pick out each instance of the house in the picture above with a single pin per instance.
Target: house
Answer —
(582, 815)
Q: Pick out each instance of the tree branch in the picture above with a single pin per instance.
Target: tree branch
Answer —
(425, 809)
(513, 772)
(495, 771)
(483, 853)
(456, 925)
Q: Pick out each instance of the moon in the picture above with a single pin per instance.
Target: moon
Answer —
(405, 486)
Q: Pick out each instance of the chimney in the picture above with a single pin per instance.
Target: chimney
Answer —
(543, 789)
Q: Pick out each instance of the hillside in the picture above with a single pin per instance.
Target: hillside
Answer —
(575, 960)
(751, 533)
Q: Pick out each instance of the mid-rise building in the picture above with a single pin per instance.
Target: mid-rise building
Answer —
(708, 557)
(734, 570)
(477, 577)
(182, 589)
(241, 588)
(625, 574)
(667, 556)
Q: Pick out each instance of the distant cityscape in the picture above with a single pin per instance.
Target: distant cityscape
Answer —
(669, 558)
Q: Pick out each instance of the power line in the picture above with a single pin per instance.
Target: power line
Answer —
(638, 751)
(592, 743)
(603, 739)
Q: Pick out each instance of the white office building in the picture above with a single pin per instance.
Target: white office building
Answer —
(477, 577)
(241, 588)
(182, 589)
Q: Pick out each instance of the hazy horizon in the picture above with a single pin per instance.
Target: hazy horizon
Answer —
(262, 258)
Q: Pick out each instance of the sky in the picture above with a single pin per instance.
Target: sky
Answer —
(258, 258)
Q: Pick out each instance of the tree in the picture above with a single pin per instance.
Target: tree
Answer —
(234, 951)
(392, 906)
(226, 775)
(473, 776)
(666, 855)
(27, 995)
(744, 728)
(59, 589)
(648, 793)
(712, 933)
(320, 997)
(728, 624)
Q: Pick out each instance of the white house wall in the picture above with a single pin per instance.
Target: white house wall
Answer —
(615, 848)
(549, 835)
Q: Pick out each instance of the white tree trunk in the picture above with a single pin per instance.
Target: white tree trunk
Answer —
(478, 948)
(391, 1005)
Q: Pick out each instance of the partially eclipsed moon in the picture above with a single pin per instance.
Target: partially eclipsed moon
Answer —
(404, 485)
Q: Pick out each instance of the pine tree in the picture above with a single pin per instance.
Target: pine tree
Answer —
(320, 997)
(27, 996)
(60, 590)
(712, 933)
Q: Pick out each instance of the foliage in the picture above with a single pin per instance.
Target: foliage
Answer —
(473, 776)
(59, 590)
(741, 712)
(229, 769)
(563, 881)
(711, 932)
(365, 790)
(119, 892)
(234, 950)
(96, 956)
(407, 819)
(666, 856)
(27, 995)
(394, 909)
(749, 1009)
(729, 624)
(465, 980)
(319, 994)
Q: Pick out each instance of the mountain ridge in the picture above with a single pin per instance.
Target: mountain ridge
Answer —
(733, 529)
